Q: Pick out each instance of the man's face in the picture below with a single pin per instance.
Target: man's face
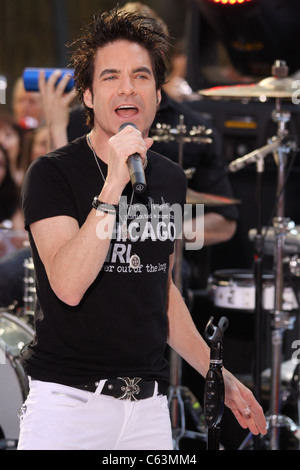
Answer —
(124, 88)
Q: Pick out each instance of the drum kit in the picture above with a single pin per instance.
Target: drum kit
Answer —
(16, 330)
(268, 292)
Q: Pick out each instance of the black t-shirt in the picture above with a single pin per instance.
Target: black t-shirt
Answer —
(120, 326)
(211, 169)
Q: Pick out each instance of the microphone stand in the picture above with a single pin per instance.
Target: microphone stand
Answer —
(214, 393)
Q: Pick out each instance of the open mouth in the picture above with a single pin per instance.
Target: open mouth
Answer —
(126, 111)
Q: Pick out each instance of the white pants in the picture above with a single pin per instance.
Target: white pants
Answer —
(57, 417)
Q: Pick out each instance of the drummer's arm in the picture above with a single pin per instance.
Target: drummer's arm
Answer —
(217, 229)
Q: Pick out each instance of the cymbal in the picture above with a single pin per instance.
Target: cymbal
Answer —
(193, 197)
(269, 88)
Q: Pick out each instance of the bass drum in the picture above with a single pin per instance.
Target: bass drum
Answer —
(14, 335)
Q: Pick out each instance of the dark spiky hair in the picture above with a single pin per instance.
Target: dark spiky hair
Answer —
(108, 27)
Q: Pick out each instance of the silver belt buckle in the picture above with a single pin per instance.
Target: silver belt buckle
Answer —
(130, 388)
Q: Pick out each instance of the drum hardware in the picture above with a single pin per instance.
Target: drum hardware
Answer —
(279, 87)
(197, 135)
(180, 399)
(291, 238)
(189, 173)
(294, 265)
(10, 309)
(280, 224)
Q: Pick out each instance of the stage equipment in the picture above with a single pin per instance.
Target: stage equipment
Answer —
(214, 393)
(281, 318)
(235, 290)
(197, 135)
(271, 87)
(193, 197)
(14, 334)
(291, 240)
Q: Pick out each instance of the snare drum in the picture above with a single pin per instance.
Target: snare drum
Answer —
(14, 334)
(234, 289)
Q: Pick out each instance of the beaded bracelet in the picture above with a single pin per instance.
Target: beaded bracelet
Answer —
(105, 206)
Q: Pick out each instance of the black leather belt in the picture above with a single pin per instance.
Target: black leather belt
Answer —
(124, 388)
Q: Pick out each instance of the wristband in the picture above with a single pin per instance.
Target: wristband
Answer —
(105, 206)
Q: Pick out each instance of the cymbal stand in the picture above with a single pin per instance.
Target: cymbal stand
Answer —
(181, 398)
(281, 321)
(280, 148)
(258, 279)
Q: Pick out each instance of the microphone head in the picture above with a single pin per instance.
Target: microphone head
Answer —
(122, 126)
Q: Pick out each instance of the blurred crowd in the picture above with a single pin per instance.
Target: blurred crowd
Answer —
(23, 137)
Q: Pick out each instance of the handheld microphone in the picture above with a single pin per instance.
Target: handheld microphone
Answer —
(135, 166)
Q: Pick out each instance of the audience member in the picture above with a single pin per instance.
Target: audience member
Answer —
(56, 105)
(12, 139)
(9, 194)
(13, 256)
(12, 233)
(27, 106)
(37, 143)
